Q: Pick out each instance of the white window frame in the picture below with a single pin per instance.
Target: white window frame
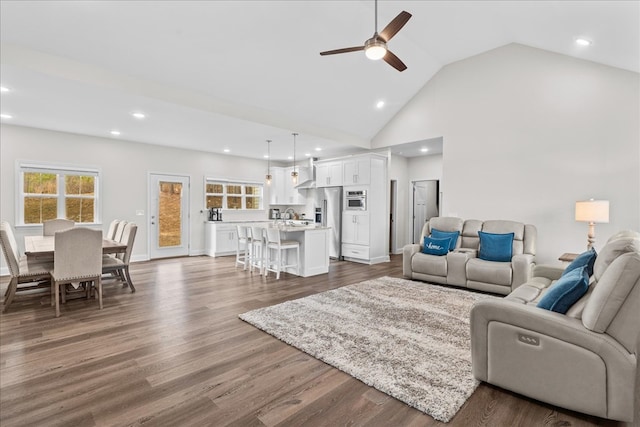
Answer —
(61, 171)
(243, 195)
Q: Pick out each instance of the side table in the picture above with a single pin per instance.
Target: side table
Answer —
(568, 257)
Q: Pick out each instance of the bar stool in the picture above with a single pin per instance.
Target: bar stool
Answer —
(243, 246)
(256, 254)
(275, 244)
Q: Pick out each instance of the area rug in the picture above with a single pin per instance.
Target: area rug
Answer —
(407, 339)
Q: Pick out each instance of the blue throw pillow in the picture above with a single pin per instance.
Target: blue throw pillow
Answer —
(453, 235)
(495, 247)
(435, 246)
(585, 259)
(566, 291)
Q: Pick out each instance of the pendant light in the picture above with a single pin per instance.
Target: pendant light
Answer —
(268, 177)
(294, 173)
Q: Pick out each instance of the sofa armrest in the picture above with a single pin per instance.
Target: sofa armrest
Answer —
(538, 320)
(522, 265)
(547, 326)
(471, 253)
(547, 271)
(407, 253)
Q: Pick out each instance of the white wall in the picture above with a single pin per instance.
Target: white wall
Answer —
(527, 133)
(125, 166)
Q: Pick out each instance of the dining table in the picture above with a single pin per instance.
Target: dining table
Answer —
(42, 247)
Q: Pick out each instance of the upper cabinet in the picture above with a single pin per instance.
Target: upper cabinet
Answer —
(329, 174)
(283, 191)
(356, 171)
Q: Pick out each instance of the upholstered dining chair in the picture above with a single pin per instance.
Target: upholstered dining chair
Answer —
(77, 258)
(119, 231)
(120, 263)
(111, 232)
(21, 269)
(50, 227)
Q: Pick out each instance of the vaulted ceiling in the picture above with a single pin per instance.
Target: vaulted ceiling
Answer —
(215, 75)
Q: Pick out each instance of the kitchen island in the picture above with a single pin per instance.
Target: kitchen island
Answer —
(221, 239)
(314, 249)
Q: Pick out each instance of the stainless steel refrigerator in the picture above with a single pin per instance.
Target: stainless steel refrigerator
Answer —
(329, 201)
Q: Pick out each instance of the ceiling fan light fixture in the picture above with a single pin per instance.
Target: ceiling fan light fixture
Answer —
(375, 49)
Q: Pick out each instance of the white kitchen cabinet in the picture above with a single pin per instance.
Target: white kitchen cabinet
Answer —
(283, 191)
(329, 174)
(356, 171)
(220, 239)
(276, 188)
(355, 227)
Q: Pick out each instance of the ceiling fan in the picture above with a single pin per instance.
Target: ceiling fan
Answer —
(376, 47)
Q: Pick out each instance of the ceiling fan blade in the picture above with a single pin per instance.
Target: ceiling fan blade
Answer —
(394, 61)
(344, 50)
(394, 26)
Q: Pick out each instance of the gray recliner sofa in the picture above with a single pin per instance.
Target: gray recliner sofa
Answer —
(585, 360)
(462, 267)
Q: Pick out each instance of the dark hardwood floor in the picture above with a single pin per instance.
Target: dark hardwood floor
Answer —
(175, 354)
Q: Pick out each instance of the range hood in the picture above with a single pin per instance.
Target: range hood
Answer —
(311, 182)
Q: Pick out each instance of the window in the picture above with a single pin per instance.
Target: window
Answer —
(49, 192)
(233, 195)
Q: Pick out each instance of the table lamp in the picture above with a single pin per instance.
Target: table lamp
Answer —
(592, 211)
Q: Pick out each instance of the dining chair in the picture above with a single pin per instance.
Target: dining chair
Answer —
(242, 247)
(21, 269)
(119, 231)
(275, 244)
(119, 265)
(111, 233)
(77, 258)
(50, 226)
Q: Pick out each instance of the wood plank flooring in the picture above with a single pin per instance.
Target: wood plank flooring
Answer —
(175, 354)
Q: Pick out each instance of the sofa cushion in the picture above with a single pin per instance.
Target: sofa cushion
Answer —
(612, 250)
(453, 235)
(566, 291)
(443, 223)
(585, 259)
(498, 273)
(611, 291)
(432, 246)
(496, 247)
(429, 264)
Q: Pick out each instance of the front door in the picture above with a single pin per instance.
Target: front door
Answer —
(168, 216)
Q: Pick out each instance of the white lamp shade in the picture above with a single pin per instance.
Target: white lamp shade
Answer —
(592, 211)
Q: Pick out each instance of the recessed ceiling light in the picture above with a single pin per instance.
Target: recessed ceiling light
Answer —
(226, 150)
(583, 42)
(290, 158)
(424, 150)
(115, 132)
(307, 154)
(318, 149)
(266, 156)
(6, 116)
(4, 89)
(139, 115)
(379, 104)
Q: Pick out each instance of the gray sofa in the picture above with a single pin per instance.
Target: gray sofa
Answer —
(585, 360)
(462, 267)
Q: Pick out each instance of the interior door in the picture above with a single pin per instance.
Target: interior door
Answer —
(425, 205)
(168, 216)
